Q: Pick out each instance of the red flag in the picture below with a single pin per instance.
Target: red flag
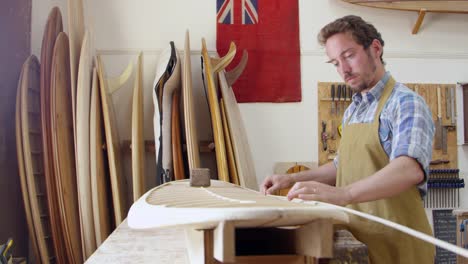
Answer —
(269, 31)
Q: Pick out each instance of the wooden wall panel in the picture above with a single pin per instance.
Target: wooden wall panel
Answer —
(15, 46)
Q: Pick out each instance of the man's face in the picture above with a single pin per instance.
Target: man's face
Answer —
(355, 65)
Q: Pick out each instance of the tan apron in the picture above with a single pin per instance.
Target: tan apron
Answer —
(361, 155)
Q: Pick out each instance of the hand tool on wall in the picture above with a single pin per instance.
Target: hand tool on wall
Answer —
(338, 93)
(453, 117)
(333, 130)
(439, 161)
(324, 135)
(343, 93)
(444, 139)
(448, 105)
(333, 105)
(438, 128)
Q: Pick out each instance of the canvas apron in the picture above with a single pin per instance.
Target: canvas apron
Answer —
(361, 155)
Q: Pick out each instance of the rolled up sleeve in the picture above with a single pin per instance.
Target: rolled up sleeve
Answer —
(413, 131)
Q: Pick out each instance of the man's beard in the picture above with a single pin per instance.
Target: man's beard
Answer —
(367, 79)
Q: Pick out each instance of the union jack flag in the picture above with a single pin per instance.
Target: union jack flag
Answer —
(237, 12)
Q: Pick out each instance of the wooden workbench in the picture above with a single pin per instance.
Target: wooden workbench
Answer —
(125, 245)
(168, 245)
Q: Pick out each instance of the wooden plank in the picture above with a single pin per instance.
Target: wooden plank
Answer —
(100, 182)
(83, 94)
(113, 147)
(22, 172)
(33, 155)
(138, 148)
(49, 50)
(437, 6)
(220, 147)
(189, 109)
(63, 152)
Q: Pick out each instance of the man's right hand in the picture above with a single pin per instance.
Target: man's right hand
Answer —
(276, 182)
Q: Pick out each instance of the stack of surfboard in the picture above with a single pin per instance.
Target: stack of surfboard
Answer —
(69, 149)
(73, 198)
(233, 158)
(45, 149)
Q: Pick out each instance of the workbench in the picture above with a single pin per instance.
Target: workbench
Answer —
(168, 245)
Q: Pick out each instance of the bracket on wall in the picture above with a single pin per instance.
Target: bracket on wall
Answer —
(418, 23)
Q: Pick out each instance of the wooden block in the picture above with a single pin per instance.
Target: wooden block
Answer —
(224, 248)
(200, 177)
(195, 241)
(315, 239)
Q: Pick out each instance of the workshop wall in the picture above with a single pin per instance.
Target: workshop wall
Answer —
(286, 131)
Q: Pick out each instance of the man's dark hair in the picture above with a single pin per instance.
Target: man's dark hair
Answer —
(361, 31)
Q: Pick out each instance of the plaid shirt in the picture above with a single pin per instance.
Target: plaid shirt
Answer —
(406, 125)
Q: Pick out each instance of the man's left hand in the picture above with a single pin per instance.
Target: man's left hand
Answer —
(316, 191)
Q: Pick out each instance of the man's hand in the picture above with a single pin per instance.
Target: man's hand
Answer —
(276, 182)
(316, 191)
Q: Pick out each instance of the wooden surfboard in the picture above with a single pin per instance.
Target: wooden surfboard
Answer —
(100, 182)
(138, 147)
(118, 183)
(33, 156)
(83, 93)
(437, 6)
(179, 173)
(63, 150)
(168, 205)
(224, 203)
(52, 29)
(76, 31)
(22, 169)
(218, 134)
(233, 176)
(191, 134)
(243, 156)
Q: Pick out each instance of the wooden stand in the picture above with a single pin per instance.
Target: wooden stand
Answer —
(228, 244)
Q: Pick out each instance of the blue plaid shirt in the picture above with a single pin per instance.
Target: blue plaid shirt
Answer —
(406, 126)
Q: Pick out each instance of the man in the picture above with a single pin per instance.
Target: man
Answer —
(384, 153)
